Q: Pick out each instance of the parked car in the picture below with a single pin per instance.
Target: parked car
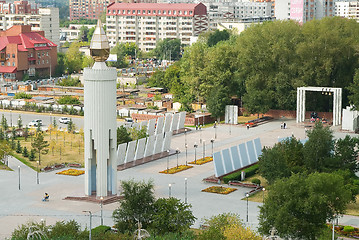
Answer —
(35, 123)
(64, 120)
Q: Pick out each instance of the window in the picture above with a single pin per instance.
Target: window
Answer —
(8, 55)
(138, 11)
(169, 11)
(13, 64)
(154, 11)
(164, 11)
(13, 55)
(8, 63)
(179, 12)
(143, 11)
(47, 53)
(149, 12)
(124, 11)
(47, 61)
(38, 55)
(174, 11)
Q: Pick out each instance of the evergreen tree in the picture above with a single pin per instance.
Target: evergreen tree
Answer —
(4, 123)
(19, 122)
(18, 147)
(54, 124)
(32, 155)
(25, 153)
(26, 133)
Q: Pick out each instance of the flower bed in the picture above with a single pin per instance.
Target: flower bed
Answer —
(176, 169)
(202, 161)
(72, 172)
(347, 231)
(219, 190)
(77, 165)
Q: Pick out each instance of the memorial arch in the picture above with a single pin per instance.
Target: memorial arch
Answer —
(337, 102)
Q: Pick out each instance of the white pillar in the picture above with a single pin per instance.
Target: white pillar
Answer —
(298, 105)
(100, 129)
(335, 107)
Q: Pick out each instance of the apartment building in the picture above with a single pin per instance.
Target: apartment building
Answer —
(18, 7)
(89, 9)
(23, 51)
(147, 23)
(41, 19)
(347, 10)
(304, 10)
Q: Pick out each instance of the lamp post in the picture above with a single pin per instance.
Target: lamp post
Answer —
(168, 159)
(215, 130)
(186, 146)
(37, 172)
(18, 167)
(212, 141)
(247, 195)
(90, 223)
(101, 205)
(195, 152)
(50, 124)
(169, 190)
(10, 117)
(204, 149)
(177, 152)
(200, 134)
(230, 128)
(263, 189)
(185, 190)
(185, 136)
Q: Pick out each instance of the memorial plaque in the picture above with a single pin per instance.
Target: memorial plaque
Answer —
(168, 121)
(151, 126)
(130, 154)
(167, 141)
(227, 160)
(149, 149)
(174, 124)
(121, 153)
(251, 152)
(243, 154)
(218, 164)
(140, 150)
(182, 119)
(236, 162)
(158, 143)
(159, 125)
(258, 146)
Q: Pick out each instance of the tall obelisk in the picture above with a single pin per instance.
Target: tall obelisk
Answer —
(100, 120)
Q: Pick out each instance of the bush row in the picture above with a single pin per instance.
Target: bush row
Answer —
(236, 176)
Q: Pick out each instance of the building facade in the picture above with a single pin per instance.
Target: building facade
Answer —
(89, 9)
(18, 7)
(46, 20)
(23, 51)
(347, 9)
(147, 23)
(304, 10)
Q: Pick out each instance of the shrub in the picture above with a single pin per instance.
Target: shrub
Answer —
(101, 229)
(256, 181)
(237, 175)
(22, 95)
(68, 100)
(348, 229)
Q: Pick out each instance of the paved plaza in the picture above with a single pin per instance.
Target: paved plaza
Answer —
(19, 206)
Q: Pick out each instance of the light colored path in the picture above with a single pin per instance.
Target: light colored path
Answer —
(18, 206)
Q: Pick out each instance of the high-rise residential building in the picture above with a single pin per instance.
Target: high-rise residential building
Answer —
(89, 9)
(46, 19)
(147, 23)
(18, 7)
(348, 9)
(304, 10)
(23, 51)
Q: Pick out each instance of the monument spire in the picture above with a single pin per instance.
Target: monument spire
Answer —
(99, 47)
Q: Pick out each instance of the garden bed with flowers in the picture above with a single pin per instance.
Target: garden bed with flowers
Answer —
(176, 169)
(202, 161)
(347, 231)
(219, 190)
(72, 172)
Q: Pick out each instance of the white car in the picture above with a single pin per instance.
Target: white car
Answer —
(35, 123)
(64, 120)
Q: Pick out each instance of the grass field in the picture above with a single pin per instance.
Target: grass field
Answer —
(63, 147)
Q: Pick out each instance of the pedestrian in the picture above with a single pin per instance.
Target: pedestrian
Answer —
(196, 127)
(284, 125)
(247, 126)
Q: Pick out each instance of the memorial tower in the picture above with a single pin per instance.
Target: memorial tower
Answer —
(100, 120)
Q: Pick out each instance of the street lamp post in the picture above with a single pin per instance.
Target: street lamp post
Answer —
(200, 134)
(212, 141)
(185, 190)
(177, 152)
(90, 223)
(19, 175)
(168, 159)
(101, 204)
(195, 152)
(10, 117)
(247, 195)
(185, 136)
(230, 128)
(169, 190)
(186, 146)
(215, 130)
(37, 172)
(263, 189)
(204, 149)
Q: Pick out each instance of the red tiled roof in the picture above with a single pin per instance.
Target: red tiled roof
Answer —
(6, 69)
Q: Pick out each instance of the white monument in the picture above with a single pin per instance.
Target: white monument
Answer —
(337, 102)
(100, 120)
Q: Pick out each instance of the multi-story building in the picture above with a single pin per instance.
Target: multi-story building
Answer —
(72, 33)
(147, 23)
(46, 19)
(89, 9)
(347, 9)
(23, 51)
(18, 7)
(304, 10)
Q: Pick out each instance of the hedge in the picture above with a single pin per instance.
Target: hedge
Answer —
(236, 176)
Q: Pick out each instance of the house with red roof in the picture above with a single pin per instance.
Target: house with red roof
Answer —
(23, 51)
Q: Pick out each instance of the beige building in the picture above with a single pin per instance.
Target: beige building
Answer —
(147, 23)
(347, 10)
(47, 20)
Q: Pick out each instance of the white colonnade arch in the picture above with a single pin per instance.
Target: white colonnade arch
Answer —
(337, 102)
